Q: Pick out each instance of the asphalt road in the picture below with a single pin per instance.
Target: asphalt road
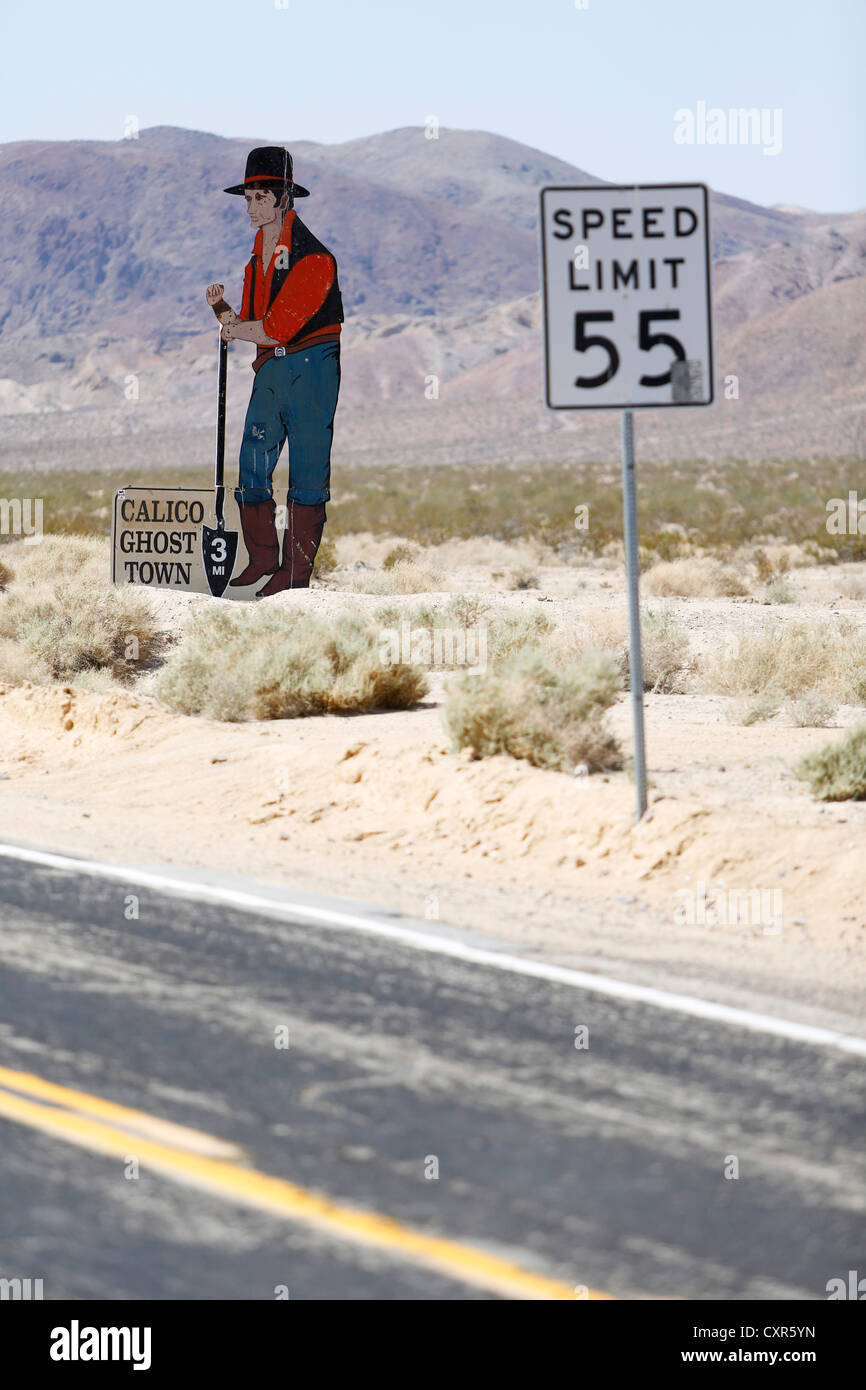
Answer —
(601, 1166)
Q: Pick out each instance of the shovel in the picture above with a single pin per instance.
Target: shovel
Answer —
(219, 547)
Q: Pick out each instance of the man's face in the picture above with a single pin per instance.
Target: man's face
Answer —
(262, 206)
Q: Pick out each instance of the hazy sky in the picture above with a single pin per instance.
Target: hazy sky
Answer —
(597, 86)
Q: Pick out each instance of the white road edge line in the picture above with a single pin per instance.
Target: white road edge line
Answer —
(443, 946)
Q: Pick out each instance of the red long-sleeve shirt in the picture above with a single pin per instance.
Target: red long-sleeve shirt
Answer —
(300, 297)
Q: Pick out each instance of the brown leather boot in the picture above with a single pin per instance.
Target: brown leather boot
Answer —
(301, 541)
(258, 523)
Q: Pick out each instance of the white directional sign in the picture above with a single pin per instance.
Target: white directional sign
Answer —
(627, 319)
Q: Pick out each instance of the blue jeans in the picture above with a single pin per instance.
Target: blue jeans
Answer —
(294, 397)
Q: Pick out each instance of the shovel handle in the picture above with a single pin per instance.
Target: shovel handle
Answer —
(219, 468)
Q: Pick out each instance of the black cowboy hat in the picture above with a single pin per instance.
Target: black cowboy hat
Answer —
(269, 164)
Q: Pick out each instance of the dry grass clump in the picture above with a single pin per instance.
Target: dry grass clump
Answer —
(404, 577)
(697, 577)
(789, 660)
(837, 772)
(278, 664)
(61, 620)
(530, 707)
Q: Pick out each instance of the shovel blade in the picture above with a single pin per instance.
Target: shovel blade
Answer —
(219, 550)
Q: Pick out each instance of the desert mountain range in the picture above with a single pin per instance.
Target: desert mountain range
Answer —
(107, 347)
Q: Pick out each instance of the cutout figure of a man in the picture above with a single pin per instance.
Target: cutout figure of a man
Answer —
(292, 310)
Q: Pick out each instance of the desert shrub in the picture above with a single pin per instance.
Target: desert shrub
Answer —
(810, 711)
(754, 711)
(778, 591)
(791, 659)
(852, 586)
(97, 679)
(326, 557)
(463, 610)
(18, 664)
(278, 664)
(505, 633)
(448, 635)
(837, 772)
(65, 619)
(512, 632)
(399, 555)
(607, 628)
(523, 577)
(530, 707)
(768, 569)
(62, 557)
(665, 651)
(6, 576)
(664, 646)
(391, 615)
(668, 543)
(693, 578)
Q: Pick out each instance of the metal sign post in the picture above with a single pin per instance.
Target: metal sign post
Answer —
(627, 326)
(635, 657)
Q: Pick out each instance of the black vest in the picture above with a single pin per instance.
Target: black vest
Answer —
(303, 244)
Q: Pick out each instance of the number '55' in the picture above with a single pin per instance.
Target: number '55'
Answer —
(646, 340)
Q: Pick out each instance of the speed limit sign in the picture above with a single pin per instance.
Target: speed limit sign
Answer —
(627, 296)
(627, 324)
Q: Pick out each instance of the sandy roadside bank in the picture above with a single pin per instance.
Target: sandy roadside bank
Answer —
(375, 807)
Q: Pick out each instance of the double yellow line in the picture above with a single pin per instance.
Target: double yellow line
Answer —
(203, 1161)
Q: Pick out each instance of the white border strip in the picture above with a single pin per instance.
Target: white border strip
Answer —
(444, 946)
